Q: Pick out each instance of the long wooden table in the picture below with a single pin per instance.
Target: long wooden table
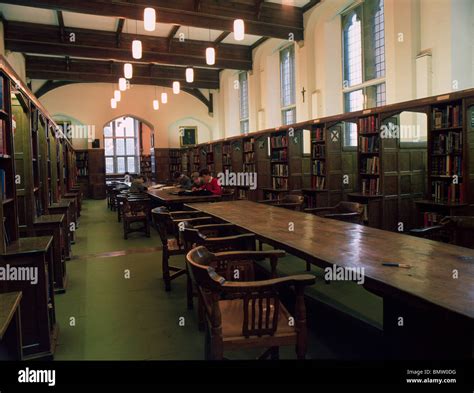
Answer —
(166, 197)
(428, 309)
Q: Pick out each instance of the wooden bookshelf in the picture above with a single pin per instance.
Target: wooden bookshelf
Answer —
(210, 162)
(226, 156)
(175, 162)
(279, 166)
(249, 165)
(145, 166)
(185, 162)
(82, 170)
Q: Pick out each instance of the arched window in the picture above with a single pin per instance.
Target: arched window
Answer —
(121, 141)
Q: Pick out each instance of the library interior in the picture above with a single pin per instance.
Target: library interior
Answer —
(210, 180)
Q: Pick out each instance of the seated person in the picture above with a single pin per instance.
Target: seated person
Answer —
(182, 181)
(211, 184)
(197, 181)
(138, 184)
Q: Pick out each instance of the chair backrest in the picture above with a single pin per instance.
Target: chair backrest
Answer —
(349, 207)
(293, 198)
(260, 306)
(136, 206)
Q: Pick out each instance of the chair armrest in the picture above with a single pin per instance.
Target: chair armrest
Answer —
(425, 231)
(342, 215)
(215, 226)
(236, 255)
(318, 209)
(224, 239)
(251, 286)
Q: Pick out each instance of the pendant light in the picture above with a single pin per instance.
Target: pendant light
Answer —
(239, 29)
(113, 103)
(149, 19)
(190, 75)
(156, 103)
(136, 46)
(122, 84)
(117, 95)
(176, 87)
(210, 53)
(164, 98)
(128, 70)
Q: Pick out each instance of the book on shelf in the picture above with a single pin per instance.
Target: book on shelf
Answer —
(370, 186)
(446, 166)
(280, 183)
(450, 143)
(447, 192)
(431, 219)
(249, 146)
(318, 151)
(279, 155)
(3, 137)
(369, 144)
(368, 125)
(280, 170)
(319, 168)
(226, 149)
(370, 166)
(250, 168)
(318, 134)
(318, 182)
(448, 116)
(279, 141)
(249, 157)
(3, 185)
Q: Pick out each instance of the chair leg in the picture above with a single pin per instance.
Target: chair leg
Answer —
(308, 266)
(125, 230)
(201, 320)
(147, 225)
(166, 271)
(189, 290)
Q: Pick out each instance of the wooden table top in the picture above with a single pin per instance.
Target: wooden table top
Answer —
(166, 196)
(29, 245)
(350, 246)
(49, 219)
(9, 302)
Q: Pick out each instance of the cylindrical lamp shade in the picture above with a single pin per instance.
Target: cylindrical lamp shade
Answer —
(176, 87)
(189, 75)
(113, 103)
(122, 84)
(156, 105)
(164, 98)
(239, 30)
(137, 49)
(117, 95)
(149, 19)
(128, 70)
(210, 56)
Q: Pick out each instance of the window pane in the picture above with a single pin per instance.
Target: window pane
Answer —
(306, 142)
(108, 130)
(374, 39)
(130, 126)
(354, 101)
(244, 98)
(131, 147)
(120, 145)
(131, 164)
(119, 127)
(289, 116)
(287, 76)
(120, 164)
(109, 147)
(109, 165)
(352, 50)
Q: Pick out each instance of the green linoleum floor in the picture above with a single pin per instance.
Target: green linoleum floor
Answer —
(107, 315)
(119, 318)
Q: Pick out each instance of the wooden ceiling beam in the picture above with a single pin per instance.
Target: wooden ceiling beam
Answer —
(43, 39)
(81, 70)
(273, 20)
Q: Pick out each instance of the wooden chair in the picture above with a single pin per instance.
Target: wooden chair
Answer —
(136, 211)
(458, 230)
(217, 237)
(168, 225)
(343, 211)
(247, 314)
(292, 202)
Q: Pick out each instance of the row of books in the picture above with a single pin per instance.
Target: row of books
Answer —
(243, 194)
(444, 192)
(226, 160)
(279, 141)
(368, 124)
(318, 182)
(431, 219)
(210, 148)
(280, 170)
(250, 168)
(448, 143)
(318, 151)
(446, 166)
(370, 165)
(249, 145)
(249, 157)
(370, 186)
(279, 155)
(82, 171)
(175, 168)
(175, 154)
(280, 183)
(319, 168)
(447, 117)
(210, 158)
(318, 135)
(369, 144)
(3, 138)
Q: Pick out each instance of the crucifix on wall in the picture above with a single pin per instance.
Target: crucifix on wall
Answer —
(303, 93)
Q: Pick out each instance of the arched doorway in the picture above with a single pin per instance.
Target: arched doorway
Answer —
(127, 144)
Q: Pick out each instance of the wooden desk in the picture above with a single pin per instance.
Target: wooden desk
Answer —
(53, 225)
(10, 326)
(38, 316)
(64, 207)
(437, 310)
(164, 197)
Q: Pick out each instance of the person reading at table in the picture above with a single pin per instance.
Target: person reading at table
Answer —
(138, 184)
(211, 184)
(127, 178)
(197, 181)
(182, 181)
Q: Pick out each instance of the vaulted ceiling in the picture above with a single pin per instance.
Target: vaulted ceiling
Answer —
(67, 41)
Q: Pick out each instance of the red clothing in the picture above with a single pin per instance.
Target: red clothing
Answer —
(213, 186)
